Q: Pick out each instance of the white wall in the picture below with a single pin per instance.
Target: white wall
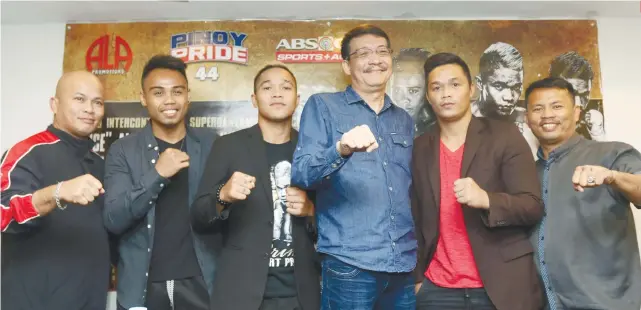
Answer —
(32, 63)
(620, 57)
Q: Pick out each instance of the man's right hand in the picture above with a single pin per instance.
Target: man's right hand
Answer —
(238, 187)
(171, 161)
(358, 139)
(417, 287)
(81, 190)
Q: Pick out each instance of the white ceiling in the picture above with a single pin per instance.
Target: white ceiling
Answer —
(27, 12)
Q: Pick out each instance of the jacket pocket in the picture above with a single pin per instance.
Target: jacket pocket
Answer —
(516, 249)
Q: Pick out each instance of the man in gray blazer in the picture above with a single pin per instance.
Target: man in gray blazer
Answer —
(151, 178)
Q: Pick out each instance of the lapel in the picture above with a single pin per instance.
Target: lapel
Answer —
(194, 170)
(258, 153)
(433, 164)
(472, 143)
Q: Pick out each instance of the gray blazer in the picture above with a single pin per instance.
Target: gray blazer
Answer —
(132, 185)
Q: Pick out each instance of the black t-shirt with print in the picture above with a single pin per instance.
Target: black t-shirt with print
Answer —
(280, 279)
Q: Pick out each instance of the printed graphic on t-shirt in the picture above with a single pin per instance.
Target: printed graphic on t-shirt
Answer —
(282, 251)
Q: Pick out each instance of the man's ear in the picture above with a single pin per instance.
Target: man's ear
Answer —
(142, 99)
(577, 113)
(53, 104)
(254, 101)
(345, 66)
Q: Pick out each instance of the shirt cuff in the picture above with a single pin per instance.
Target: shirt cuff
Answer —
(224, 214)
(636, 205)
(334, 159)
(491, 216)
(153, 182)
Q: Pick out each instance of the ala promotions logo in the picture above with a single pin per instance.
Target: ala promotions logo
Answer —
(325, 49)
(98, 60)
(210, 46)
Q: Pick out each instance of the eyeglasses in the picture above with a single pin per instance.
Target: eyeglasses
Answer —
(365, 52)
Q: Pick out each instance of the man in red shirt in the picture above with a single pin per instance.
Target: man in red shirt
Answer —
(475, 197)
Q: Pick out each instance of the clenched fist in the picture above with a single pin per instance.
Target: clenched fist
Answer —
(469, 193)
(81, 190)
(298, 204)
(358, 139)
(171, 161)
(238, 187)
(591, 176)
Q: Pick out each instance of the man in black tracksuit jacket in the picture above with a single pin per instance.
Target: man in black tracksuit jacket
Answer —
(55, 251)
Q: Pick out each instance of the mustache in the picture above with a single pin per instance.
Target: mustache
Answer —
(376, 67)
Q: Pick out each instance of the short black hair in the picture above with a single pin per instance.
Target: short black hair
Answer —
(571, 65)
(164, 62)
(359, 31)
(442, 59)
(550, 82)
(273, 66)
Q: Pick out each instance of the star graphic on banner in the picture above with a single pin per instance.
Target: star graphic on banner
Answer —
(326, 56)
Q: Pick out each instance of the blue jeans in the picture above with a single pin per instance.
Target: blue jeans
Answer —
(351, 288)
(432, 297)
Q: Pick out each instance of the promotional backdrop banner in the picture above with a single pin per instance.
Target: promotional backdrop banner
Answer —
(224, 56)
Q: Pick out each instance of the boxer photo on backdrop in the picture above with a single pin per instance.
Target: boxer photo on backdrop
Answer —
(407, 87)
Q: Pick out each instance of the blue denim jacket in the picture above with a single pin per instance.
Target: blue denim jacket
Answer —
(362, 203)
(132, 186)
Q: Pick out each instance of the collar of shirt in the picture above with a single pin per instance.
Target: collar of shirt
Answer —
(150, 138)
(80, 146)
(560, 151)
(351, 96)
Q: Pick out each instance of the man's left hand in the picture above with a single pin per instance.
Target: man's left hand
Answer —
(591, 176)
(298, 204)
(469, 193)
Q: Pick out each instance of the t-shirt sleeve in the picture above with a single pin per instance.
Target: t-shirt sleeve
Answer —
(626, 159)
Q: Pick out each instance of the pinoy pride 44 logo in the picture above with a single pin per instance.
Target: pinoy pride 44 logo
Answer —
(210, 46)
(109, 55)
(309, 50)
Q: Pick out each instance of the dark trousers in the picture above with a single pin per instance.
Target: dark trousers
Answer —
(346, 287)
(287, 303)
(188, 294)
(432, 297)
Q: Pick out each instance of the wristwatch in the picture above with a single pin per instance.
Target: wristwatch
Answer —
(220, 201)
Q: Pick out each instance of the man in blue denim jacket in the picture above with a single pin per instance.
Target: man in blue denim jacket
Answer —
(151, 179)
(355, 149)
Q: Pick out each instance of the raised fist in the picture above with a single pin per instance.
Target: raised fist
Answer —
(171, 161)
(238, 187)
(358, 139)
(81, 190)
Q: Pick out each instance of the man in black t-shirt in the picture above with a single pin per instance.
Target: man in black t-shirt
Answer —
(268, 260)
